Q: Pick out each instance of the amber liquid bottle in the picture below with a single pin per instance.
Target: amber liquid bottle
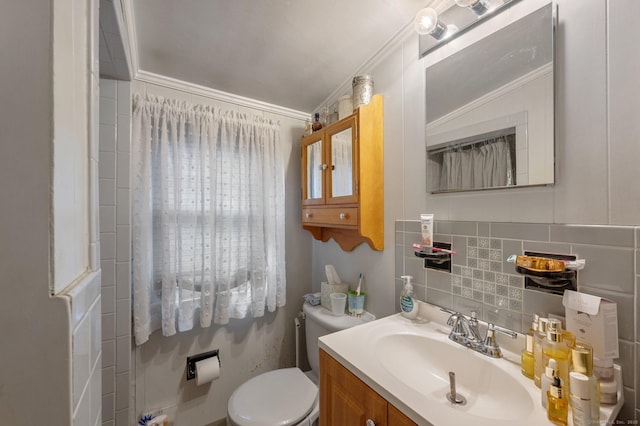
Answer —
(554, 347)
(538, 337)
(558, 404)
(317, 125)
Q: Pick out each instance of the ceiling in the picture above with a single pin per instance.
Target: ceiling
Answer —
(291, 53)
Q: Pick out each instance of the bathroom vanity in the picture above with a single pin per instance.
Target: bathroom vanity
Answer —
(395, 371)
(345, 399)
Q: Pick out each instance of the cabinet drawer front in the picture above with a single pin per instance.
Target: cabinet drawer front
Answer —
(347, 216)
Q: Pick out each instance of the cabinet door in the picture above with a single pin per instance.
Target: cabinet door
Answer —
(345, 399)
(395, 417)
(313, 168)
(342, 162)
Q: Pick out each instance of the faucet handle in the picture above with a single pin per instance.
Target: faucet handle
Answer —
(491, 347)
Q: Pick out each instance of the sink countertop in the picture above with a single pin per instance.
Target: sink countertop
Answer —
(355, 348)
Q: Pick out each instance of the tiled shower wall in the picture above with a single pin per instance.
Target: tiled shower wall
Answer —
(481, 280)
(115, 252)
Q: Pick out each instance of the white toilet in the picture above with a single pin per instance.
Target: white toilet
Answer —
(289, 397)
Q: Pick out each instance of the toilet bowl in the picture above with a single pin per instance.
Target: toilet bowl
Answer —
(288, 396)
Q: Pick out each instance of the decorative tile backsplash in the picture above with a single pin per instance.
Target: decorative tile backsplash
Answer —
(482, 280)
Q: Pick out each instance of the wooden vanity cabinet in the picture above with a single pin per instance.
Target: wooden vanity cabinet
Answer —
(343, 179)
(347, 400)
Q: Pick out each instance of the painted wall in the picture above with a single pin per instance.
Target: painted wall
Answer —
(247, 347)
(596, 149)
(597, 146)
(48, 243)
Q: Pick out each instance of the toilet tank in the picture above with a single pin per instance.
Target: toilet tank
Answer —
(319, 322)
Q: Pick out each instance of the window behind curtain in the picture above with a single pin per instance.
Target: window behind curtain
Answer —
(214, 198)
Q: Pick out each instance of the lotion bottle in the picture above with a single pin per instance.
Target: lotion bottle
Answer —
(582, 362)
(581, 402)
(408, 303)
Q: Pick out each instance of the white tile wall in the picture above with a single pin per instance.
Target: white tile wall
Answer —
(86, 350)
(115, 119)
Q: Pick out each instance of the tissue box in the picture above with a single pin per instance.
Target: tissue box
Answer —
(593, 320)
(326, 289)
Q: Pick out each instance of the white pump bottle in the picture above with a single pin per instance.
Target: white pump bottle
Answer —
(408, 303)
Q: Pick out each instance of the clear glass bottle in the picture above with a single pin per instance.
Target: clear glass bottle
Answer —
(538, 337)
(324, 117)
(307, 128)
(569, 338)
(557, 405)
(526, 358)
(582, 362)
(554, 347)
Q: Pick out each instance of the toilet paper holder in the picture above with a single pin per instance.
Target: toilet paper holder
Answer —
(191, 362)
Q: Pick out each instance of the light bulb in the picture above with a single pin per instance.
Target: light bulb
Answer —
(426, 22)
(479, 7)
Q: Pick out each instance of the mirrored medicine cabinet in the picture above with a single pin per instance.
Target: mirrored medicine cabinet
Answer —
(490, 118)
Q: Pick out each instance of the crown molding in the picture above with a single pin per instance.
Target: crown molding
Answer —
(207, 92)
(132, 38)
(394, 42)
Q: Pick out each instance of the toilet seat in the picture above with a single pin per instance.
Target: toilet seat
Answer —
(277, 398)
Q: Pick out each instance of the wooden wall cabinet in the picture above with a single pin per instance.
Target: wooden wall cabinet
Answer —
(343, 179)
(347, 400)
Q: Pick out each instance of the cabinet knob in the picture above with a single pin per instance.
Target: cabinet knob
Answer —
(308, 215)
(343, 216)
(370, 422)
(323, 167)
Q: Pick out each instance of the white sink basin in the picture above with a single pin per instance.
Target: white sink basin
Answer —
(423, 363)
(408, 363)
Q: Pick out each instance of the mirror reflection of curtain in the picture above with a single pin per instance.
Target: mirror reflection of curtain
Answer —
(481, 165)
(314, 170)
(341, 178)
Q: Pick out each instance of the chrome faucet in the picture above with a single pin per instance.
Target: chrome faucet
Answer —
(465, 332)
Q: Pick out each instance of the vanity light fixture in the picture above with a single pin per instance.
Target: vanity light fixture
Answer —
(479, 7)
(427, 22)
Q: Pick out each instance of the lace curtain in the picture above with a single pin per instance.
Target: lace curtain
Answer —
(481, 165)
(208, 216)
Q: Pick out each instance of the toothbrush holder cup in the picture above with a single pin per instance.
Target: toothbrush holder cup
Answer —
(356, 303)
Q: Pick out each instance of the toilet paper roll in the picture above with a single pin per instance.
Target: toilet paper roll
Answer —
(207, 370)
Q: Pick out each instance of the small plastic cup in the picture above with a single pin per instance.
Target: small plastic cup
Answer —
(356, 303)
(338, 303)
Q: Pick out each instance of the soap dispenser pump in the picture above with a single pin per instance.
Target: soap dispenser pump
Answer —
(408, 303)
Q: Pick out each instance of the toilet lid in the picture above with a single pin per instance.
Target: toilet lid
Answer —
(280, 397)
